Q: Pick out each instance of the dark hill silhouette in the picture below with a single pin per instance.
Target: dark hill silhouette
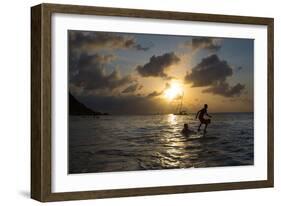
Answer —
(77, 108)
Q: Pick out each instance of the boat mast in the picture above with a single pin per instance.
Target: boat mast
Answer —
(181, 102)
(177, 109)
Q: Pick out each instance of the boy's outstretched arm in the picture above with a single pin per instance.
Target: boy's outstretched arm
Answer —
(208, 115)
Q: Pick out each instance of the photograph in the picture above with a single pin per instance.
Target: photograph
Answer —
(134, 102)
(140, 101)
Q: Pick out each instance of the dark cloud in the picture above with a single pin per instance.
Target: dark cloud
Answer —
(92, 75)
(89, 72)
(154, 94)
(88, 41)
(209, 71)
(213, 72)
(132, 88)
(208, 43)
(225, 90)
(157, 65)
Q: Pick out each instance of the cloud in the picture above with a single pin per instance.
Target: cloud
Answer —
(154, 94)
(91, 74)
(210, 70)
(213, 72)
(157, 65)
(132, 88)
(208, 43)
(225, 90)
(88, 41)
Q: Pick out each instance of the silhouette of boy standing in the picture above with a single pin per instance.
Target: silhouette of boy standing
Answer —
(201, 114)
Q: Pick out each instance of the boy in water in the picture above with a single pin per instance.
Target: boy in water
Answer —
(186, 131)
(201, 114)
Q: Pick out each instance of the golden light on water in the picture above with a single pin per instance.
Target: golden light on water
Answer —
(173, 91)
(172, 119)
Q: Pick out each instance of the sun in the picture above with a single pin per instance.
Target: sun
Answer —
(173, 91)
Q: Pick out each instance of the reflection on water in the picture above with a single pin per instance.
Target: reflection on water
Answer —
(172, 119)
(141, 142)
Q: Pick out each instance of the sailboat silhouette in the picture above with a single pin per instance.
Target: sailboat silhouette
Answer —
(179, 110)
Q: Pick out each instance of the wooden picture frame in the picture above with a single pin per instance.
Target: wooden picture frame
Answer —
(41, 117)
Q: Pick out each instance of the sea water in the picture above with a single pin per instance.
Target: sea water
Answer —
(147, 142)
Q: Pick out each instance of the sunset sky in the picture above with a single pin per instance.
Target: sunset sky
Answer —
(123, 73)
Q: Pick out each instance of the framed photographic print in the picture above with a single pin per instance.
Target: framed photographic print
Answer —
(132, 102)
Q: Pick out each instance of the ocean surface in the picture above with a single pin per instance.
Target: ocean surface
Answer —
(147, 142)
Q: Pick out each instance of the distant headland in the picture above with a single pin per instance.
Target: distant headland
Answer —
(77, 108)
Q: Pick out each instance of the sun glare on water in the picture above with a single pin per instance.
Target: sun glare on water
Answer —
(173, 91)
